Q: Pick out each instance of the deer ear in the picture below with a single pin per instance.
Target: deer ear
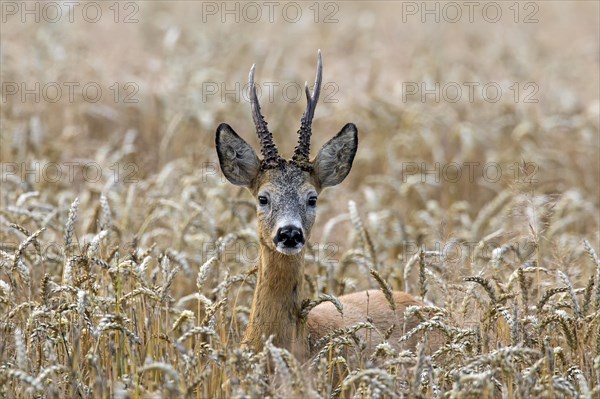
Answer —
(238, 161)
(334, 161)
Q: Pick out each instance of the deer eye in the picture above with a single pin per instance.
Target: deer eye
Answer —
(263, 200)
(312, 201)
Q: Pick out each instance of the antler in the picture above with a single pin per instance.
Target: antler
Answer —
(302, 150)
(268, 148)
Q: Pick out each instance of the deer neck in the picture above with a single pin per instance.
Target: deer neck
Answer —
(277, 303)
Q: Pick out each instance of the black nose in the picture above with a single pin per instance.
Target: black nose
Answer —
(289, 236)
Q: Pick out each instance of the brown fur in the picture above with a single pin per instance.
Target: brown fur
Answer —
(277, 303)
(363, 305)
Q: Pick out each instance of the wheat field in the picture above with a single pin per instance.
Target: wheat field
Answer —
(128, 262)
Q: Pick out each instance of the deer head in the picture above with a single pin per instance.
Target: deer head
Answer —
(286, 191)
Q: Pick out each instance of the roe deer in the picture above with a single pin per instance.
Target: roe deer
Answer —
(286, 193)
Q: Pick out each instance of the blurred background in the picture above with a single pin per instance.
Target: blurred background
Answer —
(455, 104)
(101, 97)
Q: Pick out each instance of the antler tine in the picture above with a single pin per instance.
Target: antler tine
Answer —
(302, 150)
(267, 146)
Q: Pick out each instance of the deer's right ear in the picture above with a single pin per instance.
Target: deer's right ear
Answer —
(238, 161)
(334, 160)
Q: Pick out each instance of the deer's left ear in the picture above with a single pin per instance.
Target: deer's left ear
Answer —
(334, 161)
(238, 161)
